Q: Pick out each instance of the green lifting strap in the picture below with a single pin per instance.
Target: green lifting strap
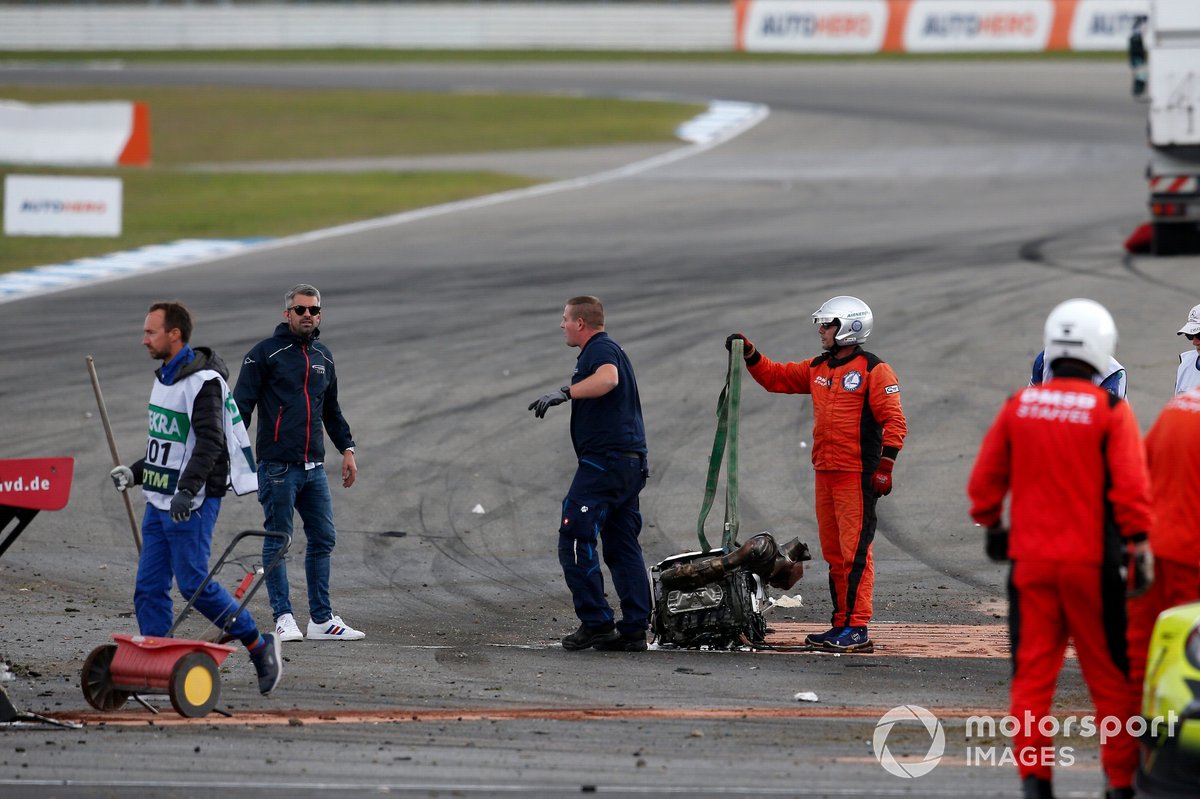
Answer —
(727, 433)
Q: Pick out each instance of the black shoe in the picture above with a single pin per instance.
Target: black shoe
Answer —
(268, 664)
(1037, 788)
(632, 642)
(587, 637)
(1119, 793)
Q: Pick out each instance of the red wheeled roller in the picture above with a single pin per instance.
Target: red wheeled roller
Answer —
(183, 669)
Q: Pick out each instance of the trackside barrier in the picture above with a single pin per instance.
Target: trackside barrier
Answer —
(75, 134)
(934, 26)
(802, 26)
(452, 25)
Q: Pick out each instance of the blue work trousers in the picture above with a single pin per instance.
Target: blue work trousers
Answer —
(182, 550)
(282, 489)
(602, 504)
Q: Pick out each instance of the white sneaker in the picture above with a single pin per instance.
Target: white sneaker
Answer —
(333, 630)
(286, 628)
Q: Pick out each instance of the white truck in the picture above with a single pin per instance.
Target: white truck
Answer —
(1168, 45)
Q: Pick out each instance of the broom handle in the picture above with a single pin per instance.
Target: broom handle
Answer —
(112, 448)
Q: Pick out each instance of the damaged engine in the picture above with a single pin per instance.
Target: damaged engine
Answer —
(715, 599)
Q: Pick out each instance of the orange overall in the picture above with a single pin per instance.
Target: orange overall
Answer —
(857, 419)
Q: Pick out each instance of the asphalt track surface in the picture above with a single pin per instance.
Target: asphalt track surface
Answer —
(961, 200)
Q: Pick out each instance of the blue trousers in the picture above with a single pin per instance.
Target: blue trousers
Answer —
(602, 505)
(285, 489)
(182, 551)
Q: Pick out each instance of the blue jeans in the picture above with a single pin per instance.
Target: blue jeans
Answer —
(282, 489)
(182, 550)
(602, 504)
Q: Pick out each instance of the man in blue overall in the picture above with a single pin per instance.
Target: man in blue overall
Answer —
(197, 447)
(602, 502)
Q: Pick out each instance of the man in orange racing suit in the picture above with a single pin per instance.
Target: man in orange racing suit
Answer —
(858, 430)
(1173, 456)
(1071, 455)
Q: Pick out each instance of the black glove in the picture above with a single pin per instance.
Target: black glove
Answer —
(996, 544)
(547, 401)
(747, 347)
(749, 353)
(181, 505)
(1138, 569)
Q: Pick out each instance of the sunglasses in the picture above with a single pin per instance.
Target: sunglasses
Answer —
(1189, 336)
(300, 310)
(827, 325)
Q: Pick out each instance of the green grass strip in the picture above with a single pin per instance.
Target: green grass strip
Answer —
(214, 124)
(223, 125)
(162, 206)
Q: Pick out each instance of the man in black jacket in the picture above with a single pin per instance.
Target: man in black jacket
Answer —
(291, 379)
(193, 440)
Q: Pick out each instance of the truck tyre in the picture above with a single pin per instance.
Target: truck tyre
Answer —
(1175, 239)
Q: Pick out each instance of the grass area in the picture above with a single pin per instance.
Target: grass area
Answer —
(163, 205)
(201, 124)
(211, 124)
(380, 56)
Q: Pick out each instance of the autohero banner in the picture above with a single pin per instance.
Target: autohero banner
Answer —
(979, 747)
(934, 26)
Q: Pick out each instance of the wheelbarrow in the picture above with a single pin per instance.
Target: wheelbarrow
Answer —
(186, 670)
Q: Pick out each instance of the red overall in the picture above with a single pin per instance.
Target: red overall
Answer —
(1173, 454)
(1072, 458)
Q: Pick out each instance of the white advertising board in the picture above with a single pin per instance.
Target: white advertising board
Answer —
(815, 26)
(960, 26)
(36, 205)
(1105, 24)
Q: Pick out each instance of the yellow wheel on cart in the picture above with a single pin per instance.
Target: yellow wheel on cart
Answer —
(195, 685)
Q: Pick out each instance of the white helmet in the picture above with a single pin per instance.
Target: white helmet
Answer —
(854, 316)
(1083, 330)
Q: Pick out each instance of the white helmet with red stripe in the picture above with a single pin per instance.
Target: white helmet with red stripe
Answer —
(1083, 330)
(854, 316)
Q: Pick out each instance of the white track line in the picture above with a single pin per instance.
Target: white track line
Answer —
(722, 121)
